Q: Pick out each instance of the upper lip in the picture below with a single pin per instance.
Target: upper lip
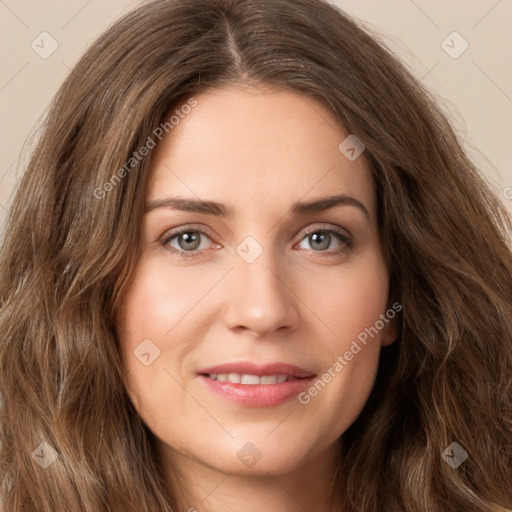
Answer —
(250, 368)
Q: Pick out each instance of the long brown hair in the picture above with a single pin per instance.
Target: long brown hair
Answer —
(71, 244)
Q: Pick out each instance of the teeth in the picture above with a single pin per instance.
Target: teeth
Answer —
(234, 377)
(248, 379)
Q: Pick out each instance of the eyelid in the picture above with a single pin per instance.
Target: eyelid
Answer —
(200, 228)
(312, 228)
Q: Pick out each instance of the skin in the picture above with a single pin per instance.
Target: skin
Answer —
(258, 151)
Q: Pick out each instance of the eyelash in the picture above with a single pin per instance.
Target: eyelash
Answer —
(347, 242)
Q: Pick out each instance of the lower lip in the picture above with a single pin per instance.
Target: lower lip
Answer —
(257, 395)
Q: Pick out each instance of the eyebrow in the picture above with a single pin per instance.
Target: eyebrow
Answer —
(221, 210)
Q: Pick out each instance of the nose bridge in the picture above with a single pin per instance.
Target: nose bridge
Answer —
(259, 296)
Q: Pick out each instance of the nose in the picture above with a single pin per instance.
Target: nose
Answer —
(260, 297)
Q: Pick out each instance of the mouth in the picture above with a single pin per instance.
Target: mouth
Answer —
(247, 384)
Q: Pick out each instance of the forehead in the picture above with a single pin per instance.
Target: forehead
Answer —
(258, 148)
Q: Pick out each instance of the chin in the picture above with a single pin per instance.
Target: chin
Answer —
(257, 456)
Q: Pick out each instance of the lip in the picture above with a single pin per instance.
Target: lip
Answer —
(257, 395)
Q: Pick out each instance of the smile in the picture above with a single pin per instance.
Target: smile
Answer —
(251, 385)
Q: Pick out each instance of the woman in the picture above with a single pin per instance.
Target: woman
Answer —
(173, 338)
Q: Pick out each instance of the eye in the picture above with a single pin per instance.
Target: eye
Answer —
(322, 239)
(186, 240)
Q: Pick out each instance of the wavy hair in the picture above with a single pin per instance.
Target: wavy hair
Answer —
(67, 256)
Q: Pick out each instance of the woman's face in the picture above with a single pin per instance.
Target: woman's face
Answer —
(251, 341)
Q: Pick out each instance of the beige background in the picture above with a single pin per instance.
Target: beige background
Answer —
(475, 88)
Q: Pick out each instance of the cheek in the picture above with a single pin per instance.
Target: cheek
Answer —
(156, 322)
(153, 302)
(145, 315)
(349, 302)
(352, 308)
(157, 305)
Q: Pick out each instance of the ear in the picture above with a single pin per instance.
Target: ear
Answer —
(389, 334)
(390, 330)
